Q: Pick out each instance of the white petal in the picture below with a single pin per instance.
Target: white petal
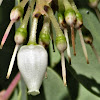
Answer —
(32, 63)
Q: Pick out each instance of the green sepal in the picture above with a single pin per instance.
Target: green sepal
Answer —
(61, 43)
(31, 42)
(60, 39)
(61, 7)
(86, 33)
(20, 9)
(21, 31)
(45, 38)
(79, 16)
(91, 1)
(60, 17)
(69, 11)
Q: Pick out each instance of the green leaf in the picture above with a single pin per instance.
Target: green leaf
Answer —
(22, 90)
(77, 91)
(14, 95)
(86, 95)
(54, 55)
(54, 88)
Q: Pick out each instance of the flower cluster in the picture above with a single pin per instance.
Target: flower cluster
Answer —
(32, 59)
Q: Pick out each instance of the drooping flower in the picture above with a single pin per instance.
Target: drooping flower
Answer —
(32, 63)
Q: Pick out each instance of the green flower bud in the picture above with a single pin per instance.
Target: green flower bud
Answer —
(16, 13)
(93, 3)
(60, 18)
(79, 16)
(79, 21)
(61, 21)
(88, 38)
(61, 43)
(70, 16)
(44, 38)
(20, 35)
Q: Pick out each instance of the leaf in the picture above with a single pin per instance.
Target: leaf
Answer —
(54, 55)
(22, 90)
(87, 74)
(15, 95)
(86, 95)
(77, 91)
(54, 88)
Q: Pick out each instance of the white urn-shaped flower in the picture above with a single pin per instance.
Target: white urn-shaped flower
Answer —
(32, 63)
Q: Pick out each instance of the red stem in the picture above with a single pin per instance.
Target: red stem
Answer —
(7, 32)
(11, 87)
(95, 52)
(73, 39)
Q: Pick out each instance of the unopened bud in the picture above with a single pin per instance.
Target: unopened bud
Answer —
(16, 13)
(88, 38)
(20, 35)
(79, 21)
(44, 38)
(70, 17)
(61, 43)
(93, 3)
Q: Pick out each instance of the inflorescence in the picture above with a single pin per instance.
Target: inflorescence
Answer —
(68, 18)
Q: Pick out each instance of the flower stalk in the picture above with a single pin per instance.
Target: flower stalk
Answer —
(93, 4)
(60, 39)
(88, 38)
(15, 15)
(68, 45)
(70, 18)
(44, 37)
(64, 27)
(20, 36)
(32, 38)
(83, 46)
(78, 25)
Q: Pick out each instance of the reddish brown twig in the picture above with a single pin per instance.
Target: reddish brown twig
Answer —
(11, 87)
